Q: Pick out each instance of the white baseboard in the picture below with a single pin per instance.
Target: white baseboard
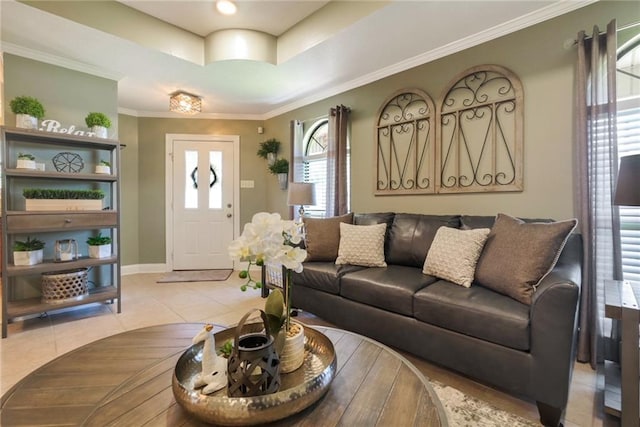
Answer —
(143, 268)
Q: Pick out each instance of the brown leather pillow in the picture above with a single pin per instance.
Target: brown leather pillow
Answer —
(518, 255)
(323, 237)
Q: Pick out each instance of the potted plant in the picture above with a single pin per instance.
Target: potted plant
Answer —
(28, 252)
(26, 161)
(27, 110)
(98, 123)
(103, 167)
(269, 150)
(270, 240)
(57, 199)
(281, 168)
(99, 246)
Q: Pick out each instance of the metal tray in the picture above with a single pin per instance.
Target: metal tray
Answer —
(298, 390)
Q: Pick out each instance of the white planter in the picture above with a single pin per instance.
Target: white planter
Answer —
(103, 169)
(283, 179)
(100, 131)
(26, 121)
(292, 355)
(63, 204)
(102, 251)
(26, 164)
(27, 257)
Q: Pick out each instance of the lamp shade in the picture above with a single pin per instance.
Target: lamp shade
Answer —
(628, 185)
(301, 193)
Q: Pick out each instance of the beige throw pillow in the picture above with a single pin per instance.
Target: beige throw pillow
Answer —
(323, 236)
(362, 245)
(454, 253)
(518, 255)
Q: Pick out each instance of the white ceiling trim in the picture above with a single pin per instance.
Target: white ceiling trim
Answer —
(170, 115)
(49, 58)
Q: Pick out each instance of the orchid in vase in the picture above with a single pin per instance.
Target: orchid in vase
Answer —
(270, 240)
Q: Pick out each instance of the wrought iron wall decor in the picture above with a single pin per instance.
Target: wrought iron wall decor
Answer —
(406, 144)
(480, 132)
(472, 143)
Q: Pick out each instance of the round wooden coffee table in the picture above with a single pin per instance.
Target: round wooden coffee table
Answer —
(125, 380)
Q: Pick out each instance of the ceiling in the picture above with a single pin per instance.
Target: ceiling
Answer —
(153, 48)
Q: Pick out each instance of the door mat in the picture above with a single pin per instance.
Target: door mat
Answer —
(195, 276)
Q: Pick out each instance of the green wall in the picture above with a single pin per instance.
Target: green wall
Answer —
(67, 95)
(546, 70)
(129, 182)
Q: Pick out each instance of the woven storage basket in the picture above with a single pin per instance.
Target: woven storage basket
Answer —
(64, 286)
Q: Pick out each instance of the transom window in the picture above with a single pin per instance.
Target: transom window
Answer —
(314, 160)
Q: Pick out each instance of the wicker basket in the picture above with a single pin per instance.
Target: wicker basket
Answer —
(64, 286)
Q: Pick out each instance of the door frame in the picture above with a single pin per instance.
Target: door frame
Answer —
(168, 181)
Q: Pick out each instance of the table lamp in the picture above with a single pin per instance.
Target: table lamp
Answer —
(301, 194)
(628, 185)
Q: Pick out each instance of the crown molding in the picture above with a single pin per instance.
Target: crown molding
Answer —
(49, 58)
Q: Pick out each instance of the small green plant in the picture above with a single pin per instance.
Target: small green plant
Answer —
(269, 146)
(26, 156)
(44, 193)
(97, 119)
(226, 349)
(279, 166)
(98, 240)
(27, 105)
(104, 163)
(28, 245)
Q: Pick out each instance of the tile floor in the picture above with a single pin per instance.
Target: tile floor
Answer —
(33, 342)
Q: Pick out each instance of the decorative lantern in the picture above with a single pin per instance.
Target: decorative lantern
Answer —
(66, 250)
(253, 368)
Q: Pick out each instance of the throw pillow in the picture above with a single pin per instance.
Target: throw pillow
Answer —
(518, 255)
(362, 245)
(322, 236)
(454, 253)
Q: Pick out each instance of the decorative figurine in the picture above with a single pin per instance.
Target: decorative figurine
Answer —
(214, 368)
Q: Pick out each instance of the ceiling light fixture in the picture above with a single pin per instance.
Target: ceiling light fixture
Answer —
(185, 103)
(226, 7)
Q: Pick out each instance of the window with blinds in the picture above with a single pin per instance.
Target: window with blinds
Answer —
(628, 128)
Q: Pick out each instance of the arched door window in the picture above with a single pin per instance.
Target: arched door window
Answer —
(314, 160)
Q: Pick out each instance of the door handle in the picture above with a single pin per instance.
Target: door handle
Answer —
(229, 215)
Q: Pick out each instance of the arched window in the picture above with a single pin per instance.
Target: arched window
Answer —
(314, 161)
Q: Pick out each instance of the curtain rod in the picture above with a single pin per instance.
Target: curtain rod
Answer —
(569, 43)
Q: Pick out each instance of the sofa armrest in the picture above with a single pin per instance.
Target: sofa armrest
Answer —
(553, 330)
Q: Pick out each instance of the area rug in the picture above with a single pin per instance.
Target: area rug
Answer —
(195, 276)
(467, 411)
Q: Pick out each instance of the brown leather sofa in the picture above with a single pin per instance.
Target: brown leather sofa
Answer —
(527, 350)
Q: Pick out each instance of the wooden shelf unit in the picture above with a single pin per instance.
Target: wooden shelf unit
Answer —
(44, 224)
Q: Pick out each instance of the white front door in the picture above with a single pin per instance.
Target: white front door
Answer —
(203, 203)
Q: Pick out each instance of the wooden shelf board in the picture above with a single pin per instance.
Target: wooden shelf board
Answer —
(612, 392)
(29, 173)
(29, 306)
(28, 135)
(49, 266)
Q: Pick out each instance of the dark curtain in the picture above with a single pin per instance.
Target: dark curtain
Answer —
(337, 196)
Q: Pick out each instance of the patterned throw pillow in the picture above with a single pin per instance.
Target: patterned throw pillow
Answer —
(362, 245)
(454, 253)
(518, 255)
(323, 236)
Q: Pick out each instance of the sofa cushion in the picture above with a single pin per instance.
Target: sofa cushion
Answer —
(411, 235)
(530, 250)
(390, 288)
(476, 311)
(323, 236)
(362, 245)
(323, 276)
(376, 218)
(454, 253)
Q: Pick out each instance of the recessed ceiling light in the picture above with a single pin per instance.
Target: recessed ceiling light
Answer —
(226, 7)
